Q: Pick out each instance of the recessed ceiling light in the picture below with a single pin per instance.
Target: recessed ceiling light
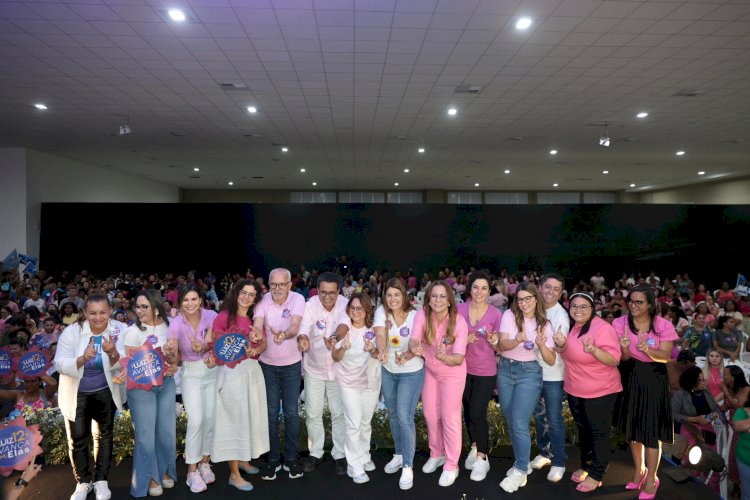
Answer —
(395, 183)
(421, 150)
(406, 170)
(605, 172)
(701, 173)
(315, 183)
(554, 185)
(642, 114)
(632, 185)
(284, 149)
(553, 151)
(302, 170)
(523, 23)
(41, 106)
(452, 111)
(230, 183)
(680, 153)
(196, 169)
(252, 109)
(176, 15)
(476, 184)
(507, 171)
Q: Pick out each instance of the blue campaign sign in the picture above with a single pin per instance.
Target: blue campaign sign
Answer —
(33, 363)
(6, 362)
(15, 446)
(145, 367)
(230, 349)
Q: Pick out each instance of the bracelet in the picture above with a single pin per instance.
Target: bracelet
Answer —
(495, 342)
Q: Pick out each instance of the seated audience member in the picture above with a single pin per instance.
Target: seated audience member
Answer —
(675, 369)
(726, 339)
(34, 395)
(730, 309)
(713, 371)
(699, 337)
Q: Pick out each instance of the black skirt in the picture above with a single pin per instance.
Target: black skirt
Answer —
(646, 415)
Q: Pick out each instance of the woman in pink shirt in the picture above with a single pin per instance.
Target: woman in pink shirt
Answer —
(440, 335)
(481, 366)
(591, 353)
(646, 416)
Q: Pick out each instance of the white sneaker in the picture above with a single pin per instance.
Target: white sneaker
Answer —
(156, 491)
(555, 474)
(101, 490)
(432, 464)
(471, 458)
(394, 465)
(82, 491)
(167, 483)
(195, 482)
(448, 477)
(510, 471)
(480, 469)
(407, 478)
(516, 480)
(540, 462)
(369, 466)
(206, 473)
(362, 478)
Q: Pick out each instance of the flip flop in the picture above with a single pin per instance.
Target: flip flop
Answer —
(584, 488)
(578, 478)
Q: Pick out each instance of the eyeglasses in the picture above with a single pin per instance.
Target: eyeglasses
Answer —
(328, 294)
(582, 307)
(525, 300)
(141, 306)
(275, 286)
(357, 309)
(438, 297)
(243, 293)
(637, 303)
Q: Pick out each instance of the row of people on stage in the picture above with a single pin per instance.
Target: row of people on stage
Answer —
(444, 354)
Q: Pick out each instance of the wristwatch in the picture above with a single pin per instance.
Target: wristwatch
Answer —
(21, 482)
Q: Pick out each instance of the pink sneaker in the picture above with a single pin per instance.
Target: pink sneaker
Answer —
(195, 482)
(206, 473)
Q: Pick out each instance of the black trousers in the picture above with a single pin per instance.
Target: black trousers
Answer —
(99, 407)
(593, 417)
(477, 394)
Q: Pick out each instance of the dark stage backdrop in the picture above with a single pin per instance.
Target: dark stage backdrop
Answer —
(706, 241)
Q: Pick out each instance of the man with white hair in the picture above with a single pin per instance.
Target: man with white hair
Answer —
(279, 315)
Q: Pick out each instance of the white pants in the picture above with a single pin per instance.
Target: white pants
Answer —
(316, 392)
(359, 405)
(198, 395)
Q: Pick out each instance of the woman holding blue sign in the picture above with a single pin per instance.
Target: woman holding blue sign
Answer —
(357, 371)
(188, 332)
(151, 397)
(33, 395)
(240, 412)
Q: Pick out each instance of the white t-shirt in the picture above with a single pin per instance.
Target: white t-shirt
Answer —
(357, 369)
(558, 317)
(156, 335)
(398, 341)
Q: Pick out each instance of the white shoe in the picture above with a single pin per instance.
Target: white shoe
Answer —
(101, 490)
(195, 482)
(510, 471)
(167, 483)
(156, 491)
(407, 478)
(555, 474)
(540, 462)
(82, 491)
(369, 466)
(432, 464)
(471, 458)
(362, 478)
(206, 473)
(480, 469)
(394, 465)
(516, 480)
(448, 477)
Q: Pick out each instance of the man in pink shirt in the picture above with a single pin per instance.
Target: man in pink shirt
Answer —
(280, 313)
(323, 313)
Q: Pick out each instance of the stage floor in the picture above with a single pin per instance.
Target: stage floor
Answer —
(56, 482)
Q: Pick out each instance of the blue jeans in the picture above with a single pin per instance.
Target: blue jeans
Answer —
(519, 385)
(745, 480)
(550, 430)
(401, 393)
(282, 385)
(153, 416)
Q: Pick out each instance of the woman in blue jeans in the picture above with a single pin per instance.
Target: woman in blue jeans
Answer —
(152, 411)
(524, 331)
(402, 376)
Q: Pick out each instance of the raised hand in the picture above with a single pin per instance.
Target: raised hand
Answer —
(169, 348)
(521, 337)
(493, 338)
(559, 337)
(369, 345)
(439, 349)
(171, 370)
(541, 338)
(121, 377)
(642, 343)
(256, 336)
(210, 361)
(195, 344)
(415, 346)
(471, 338)
(108, 346)
(625, 341)
(90, 352)
(588, 345)
(383, 357)
(303, 343)
(330, 342)
(346, 344)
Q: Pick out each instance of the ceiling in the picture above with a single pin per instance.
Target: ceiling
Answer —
(354, 87)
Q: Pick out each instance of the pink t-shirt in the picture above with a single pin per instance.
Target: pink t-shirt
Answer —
(180, 329)
(436, 367)
(318, 324)
(279, 317)
(663, 332)
(480, 356)
(242, 324)
(585, 376)
(509, 330)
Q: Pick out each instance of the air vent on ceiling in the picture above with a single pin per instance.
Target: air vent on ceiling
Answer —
(687, 93)
(467, 89)
(257, 177)
(582, 179)
(233, 86)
